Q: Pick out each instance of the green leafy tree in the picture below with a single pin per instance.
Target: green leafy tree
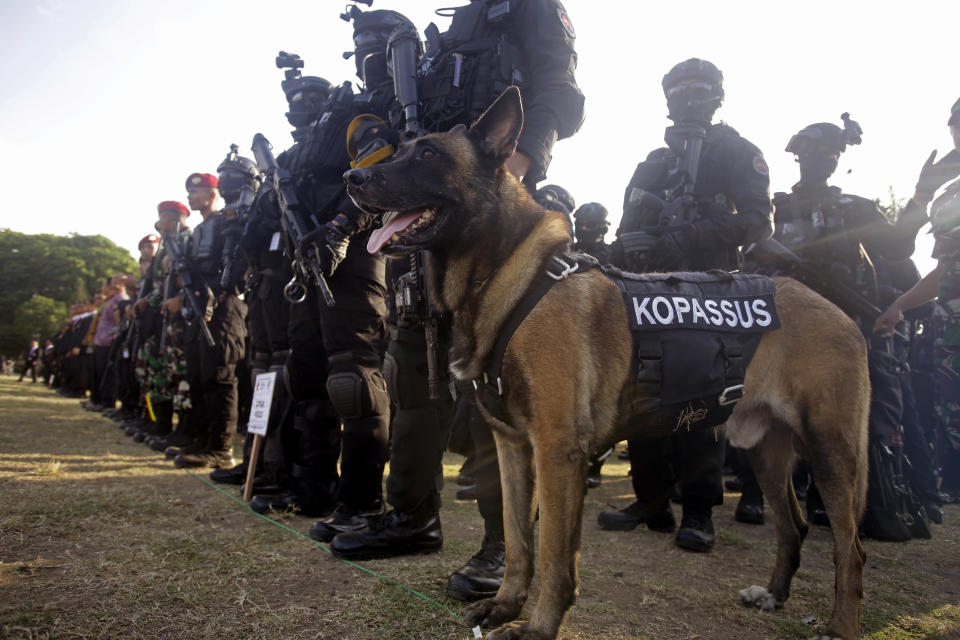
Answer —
(61, 269)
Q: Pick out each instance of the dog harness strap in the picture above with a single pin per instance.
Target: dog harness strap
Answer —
(558, 268)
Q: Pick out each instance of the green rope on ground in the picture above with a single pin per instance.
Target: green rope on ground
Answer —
(325, 547)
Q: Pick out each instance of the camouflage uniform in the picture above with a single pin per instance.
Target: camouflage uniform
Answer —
(945, 214)
(163, 375)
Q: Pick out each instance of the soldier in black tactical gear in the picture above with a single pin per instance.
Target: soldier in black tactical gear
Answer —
(211, 370)
(239, 180)
(590, 225)
(490, 45)
(555, 198)
(276, 484)
(834, 243)
(335, 360)
(689, 206)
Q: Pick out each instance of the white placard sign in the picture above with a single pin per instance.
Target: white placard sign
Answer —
(262, 398)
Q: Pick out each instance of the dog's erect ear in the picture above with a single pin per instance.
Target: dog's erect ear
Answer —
(498, 129)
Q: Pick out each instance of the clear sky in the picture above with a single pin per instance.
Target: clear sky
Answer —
(107, 105)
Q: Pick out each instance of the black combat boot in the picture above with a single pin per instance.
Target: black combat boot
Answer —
(481, 576)
(816, 513)
(696, 527)
(657, 516)
(394, 534)
(217, 453)
(345, 519)
(236, 475)
(750, 508)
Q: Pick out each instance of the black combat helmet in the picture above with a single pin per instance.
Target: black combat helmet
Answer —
(555, 198)
(826, 137)
(234, 172)
(590, 223)
(371, 31)
(954, 114)
(306, 96)
(818, 147)
(694, 89)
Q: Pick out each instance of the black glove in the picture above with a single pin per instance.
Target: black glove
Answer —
(935, 175)
(673, 249)
(327, 244)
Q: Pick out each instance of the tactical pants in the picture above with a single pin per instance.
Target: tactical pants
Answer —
(946, 320)
(211, 372)
(693, 459)
(419, 428)
(335, 364)
(103, 389)
(920, 472)
(269, 319)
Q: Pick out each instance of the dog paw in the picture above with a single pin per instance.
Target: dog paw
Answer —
(490, 613)
(758, 597)
(517, 631)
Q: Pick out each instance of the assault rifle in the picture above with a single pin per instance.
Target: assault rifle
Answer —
(181, 267)
(232, 253)
(167, 293)
(678, 208)
(413, 288)
(818, 279)
(294, 217)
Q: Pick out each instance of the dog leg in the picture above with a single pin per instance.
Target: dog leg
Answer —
(561, 511)
(836, 477)
(772, 459)
(519, 515)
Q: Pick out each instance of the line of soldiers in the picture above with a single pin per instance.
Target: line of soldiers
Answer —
(280, 279)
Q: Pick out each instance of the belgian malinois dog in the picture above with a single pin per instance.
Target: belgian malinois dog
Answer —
(566, 372)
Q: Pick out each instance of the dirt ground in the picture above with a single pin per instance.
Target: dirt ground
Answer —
(102, 538)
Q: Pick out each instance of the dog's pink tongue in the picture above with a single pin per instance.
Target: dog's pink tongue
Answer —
(382, 235)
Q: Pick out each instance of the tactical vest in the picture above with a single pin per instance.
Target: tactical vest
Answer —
(468, 66)
(816, 228)
(660, 176)
(694, 335)
(205, 250)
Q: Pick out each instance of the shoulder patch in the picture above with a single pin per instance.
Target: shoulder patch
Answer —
(565, 21)
(760, 166)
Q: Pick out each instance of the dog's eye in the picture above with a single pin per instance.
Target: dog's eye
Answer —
(427, 153)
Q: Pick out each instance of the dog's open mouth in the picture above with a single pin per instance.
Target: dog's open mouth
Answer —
(407, 229)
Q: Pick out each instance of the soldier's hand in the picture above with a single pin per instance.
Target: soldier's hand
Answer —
(672, 249)
(75, 351)
(887, 321)
(935, 175)
(171, 306)
(140, 306)
(328, 244)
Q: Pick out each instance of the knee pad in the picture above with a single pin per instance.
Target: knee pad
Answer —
(356, 391)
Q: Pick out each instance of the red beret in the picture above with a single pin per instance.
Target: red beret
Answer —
(173, 205)
(150, 238)
(202, 180)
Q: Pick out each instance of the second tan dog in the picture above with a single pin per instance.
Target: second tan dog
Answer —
(567, 378)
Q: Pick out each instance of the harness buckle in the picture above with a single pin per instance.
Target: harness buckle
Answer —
(486, 380)
(567, 269)
(730, 395)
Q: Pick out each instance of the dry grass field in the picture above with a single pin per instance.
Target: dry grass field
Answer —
(101, 538)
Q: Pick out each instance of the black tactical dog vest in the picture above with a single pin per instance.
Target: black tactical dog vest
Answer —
(694, 335)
